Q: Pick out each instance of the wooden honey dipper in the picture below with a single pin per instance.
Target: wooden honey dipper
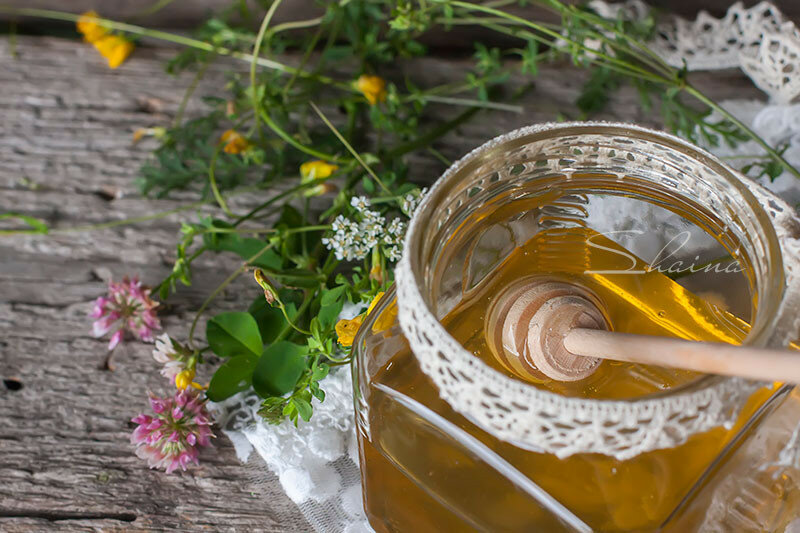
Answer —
(553, 330)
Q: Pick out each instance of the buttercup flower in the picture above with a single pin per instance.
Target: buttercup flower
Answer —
(385, 320)
(346, 329)
(314, 170)
(88, 27)
(126, 307)
(114, 48)
(372, 87)
(170, 439)
(234, 142)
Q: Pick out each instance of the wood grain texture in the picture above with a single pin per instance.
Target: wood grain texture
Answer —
(65, 125)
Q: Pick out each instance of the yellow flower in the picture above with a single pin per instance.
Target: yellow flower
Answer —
(315, 170)
(184, 378)
(114, 48)
(141, 133)
(374, 302)
(234, 142)
(346, 330)
(385, 320)
(89, 28)
(372, 87)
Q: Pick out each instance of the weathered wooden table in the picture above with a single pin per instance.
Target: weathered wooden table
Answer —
(66, 155)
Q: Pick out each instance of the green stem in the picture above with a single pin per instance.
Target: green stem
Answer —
(300, 310)
(743, 127)
(294, 190)
(350, 148)
(280, 132)
(303, 61)
(296, 25)
(262, 31)
(189, 92)
(469, 102)
(211, 297)
(212, 179)
(294, 326)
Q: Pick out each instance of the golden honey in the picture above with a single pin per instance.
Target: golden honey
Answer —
(422, 456)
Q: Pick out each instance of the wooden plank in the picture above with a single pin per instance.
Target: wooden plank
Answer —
(65, 125)
(190, 14)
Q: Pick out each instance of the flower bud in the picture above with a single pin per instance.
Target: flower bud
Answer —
(270, 294)
(319, 190)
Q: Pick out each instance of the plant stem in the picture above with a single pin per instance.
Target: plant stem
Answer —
(296, 25)
(189, 92)
(739, 124)
(280, 132)
(349, 148)
(211, 297)
(262, 31)
(212, 180)
(300, 310)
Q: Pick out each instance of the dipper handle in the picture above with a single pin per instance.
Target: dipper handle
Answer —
(710, 357)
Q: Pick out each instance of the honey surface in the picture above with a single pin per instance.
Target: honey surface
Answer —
(462, 492)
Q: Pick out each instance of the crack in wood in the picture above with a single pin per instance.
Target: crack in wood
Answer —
(55, 516)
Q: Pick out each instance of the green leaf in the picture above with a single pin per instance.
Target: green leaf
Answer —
(333, 295)
(279, 368)
(368, 184)
(270, 320)
(234, 333)
(303, 407)
(234, 375)
(329, 313)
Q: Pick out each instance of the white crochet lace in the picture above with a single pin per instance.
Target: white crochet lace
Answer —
(759, 40)
(316, 463)
(707, 43)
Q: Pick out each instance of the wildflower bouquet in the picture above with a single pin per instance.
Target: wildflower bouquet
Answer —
(323, 143)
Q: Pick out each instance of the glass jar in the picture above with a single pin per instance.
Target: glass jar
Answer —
(451, 442)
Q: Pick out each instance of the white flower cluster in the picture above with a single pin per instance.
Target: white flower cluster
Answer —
(411, 202)
(354, 240)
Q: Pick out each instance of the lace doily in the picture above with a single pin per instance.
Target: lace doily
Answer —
(759, 40)
(315, 462)
(539, 420)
